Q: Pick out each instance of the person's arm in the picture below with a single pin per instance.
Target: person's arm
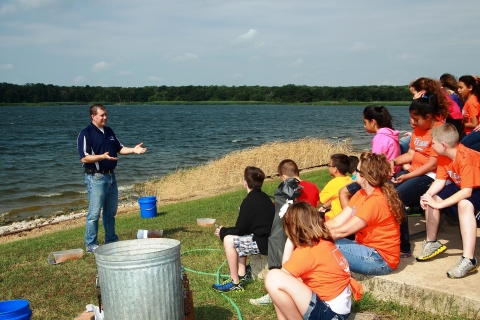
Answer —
(403, 158)
(287, 251)
(434, 189)
(138, 149)
(344, 195)
(472, 123)
(420, 171)
(450, 201)
(92, 158)
(344, 224)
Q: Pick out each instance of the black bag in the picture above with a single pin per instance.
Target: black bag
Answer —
(292, 188)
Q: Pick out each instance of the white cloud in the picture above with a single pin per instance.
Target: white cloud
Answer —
(360, 46)
(100, 66)
(155, 79)
(254, 58)
(246, 36)
(405, 56)
(296, 63)
(124, 73)
(8, 66)
(237, 75)
(79, 80)
(185, 57)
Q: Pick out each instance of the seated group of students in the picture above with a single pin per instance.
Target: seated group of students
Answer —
(365, 229)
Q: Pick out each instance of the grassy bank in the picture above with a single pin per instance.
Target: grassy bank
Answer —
(62, 291)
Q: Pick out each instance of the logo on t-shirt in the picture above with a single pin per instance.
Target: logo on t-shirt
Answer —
(420, 144)
(111, 138)
(341, 260)
(454, 176)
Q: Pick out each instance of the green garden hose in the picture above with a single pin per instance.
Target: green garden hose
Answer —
(217, 275)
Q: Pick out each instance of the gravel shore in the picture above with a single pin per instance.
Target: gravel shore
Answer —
(20, 226)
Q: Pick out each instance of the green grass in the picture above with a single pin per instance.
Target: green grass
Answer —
(62, 291)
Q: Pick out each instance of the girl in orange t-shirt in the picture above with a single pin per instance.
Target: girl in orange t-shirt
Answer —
(374, 214)
(411, 184)
(470, 91)
(311, 256)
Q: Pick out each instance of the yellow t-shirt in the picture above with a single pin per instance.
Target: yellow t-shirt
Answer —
(330, 192)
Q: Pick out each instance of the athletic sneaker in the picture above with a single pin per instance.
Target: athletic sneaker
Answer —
(227, 286)
(430, 249)
(464, 266)
(262, 301)
(92, 248)
(246, 277)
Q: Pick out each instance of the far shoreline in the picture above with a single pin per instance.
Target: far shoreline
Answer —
(219, 103)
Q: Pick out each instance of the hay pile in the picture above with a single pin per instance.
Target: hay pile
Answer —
(227, 172)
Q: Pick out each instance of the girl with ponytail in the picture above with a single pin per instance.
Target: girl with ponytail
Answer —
(374, 214)
(425, 113)
(450, 111)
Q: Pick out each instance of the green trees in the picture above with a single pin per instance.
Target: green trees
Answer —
(39, 93)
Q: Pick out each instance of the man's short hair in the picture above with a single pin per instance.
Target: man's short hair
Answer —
(95, 107)
(341, 162)
(289, 168)
(446, 133)
(254, 177)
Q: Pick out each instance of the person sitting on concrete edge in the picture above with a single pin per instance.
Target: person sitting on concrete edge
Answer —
(374, 214)
(461, 198)
(250, 233)
(305, 191)
(338, 168)
(325, 287)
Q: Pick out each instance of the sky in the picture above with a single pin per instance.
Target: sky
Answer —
(136, 43)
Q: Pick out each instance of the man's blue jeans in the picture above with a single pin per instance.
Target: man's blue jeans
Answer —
(102, 194)
(363, 259)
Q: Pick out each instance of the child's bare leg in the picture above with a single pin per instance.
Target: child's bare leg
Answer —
(242, 265)
(432, 217)
(468, 227)
(290, 296)
(232, 257)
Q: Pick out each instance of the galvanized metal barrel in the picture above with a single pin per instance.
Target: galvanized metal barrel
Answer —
(141, 279)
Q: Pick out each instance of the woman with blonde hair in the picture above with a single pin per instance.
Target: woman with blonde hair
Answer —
(374, 214)
(311, 256)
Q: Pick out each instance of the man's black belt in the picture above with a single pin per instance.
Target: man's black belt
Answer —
(92, 171)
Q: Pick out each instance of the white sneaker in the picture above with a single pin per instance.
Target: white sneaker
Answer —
(262, 301)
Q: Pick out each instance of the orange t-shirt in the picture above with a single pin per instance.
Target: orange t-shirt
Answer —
(470, 110)
(322, 267)
(382, 232)
(464, 171)
(421, 142)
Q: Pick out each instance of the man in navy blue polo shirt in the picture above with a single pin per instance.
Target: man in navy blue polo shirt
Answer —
(98, 148)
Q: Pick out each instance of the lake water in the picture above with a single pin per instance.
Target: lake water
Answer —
(41, 172)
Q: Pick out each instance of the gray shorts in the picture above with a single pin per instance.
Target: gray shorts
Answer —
(245, 245)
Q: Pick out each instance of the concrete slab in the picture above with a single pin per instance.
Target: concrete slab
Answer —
(425, 285)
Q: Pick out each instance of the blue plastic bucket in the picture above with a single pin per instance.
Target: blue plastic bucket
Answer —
(148, 207)
(15, 310)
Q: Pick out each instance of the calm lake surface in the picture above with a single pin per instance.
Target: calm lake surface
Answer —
(42, 174)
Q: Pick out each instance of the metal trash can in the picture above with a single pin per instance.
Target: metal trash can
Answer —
(141, 279)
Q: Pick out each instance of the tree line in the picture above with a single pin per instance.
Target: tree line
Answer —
(39, 92)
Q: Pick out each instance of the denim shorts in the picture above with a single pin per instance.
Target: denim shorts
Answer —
(245, 245)
(319, 310)
(353, 188)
